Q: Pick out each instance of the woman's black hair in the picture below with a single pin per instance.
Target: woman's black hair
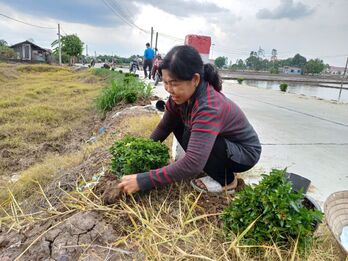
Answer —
(184, 61)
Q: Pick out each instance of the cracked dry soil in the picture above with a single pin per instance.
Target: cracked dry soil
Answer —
(76, 235)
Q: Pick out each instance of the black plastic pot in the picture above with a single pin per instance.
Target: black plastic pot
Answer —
(298, 182)
(160, 105)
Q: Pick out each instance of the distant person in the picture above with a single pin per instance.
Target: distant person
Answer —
(134, 65)
(93, 62)
(156, 64)
(149, 55)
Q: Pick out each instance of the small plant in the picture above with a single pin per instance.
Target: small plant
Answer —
(278, 213)
(131, 97)
(133, 155)
(240, 80)
(283, 87)
(120, 71)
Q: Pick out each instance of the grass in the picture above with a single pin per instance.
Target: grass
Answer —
(122, 88)
(41, 104)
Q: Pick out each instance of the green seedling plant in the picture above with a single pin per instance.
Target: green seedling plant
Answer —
(133, 155)
(280, 214)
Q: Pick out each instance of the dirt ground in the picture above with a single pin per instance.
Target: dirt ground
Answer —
(73, 234)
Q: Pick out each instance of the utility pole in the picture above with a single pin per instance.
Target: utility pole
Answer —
(344, 75)
(59, 46)
(86, 50)
(151, 36)
(156, 41)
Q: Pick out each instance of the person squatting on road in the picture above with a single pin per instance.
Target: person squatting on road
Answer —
(214, 132)
(149, 55)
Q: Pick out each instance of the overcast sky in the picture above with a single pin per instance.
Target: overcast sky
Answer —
(313, 28)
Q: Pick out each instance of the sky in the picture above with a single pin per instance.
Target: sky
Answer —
(313, 28)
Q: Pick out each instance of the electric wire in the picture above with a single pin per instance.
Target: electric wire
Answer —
(38, 26)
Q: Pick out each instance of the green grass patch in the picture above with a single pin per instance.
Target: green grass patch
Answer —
(123, 88)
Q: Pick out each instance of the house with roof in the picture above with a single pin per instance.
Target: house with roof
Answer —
(28, 51)
(335, 70)
(291, 70)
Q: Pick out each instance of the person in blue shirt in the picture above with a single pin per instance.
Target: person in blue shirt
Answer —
(149, 55)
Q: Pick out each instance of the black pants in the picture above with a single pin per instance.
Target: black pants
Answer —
(218, 166)
(147, 64)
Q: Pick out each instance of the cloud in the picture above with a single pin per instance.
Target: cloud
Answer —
(74, 11)
(287, 9)
(183, 8)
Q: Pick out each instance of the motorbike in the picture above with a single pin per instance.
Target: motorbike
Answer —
(134, 67)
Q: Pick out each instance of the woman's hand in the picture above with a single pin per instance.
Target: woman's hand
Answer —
(129, 184)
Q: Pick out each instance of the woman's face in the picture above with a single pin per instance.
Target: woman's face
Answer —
(180, 91)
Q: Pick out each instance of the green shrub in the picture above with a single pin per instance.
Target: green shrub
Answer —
(120, 71)
(133, 155)
(127, 89)
(283, 87)
(130, 97)
(240, 80)
(7, 52)
(279, 212)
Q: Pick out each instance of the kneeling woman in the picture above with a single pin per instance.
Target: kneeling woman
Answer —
(213, 130)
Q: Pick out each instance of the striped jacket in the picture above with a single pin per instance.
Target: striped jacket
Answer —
(208, 114)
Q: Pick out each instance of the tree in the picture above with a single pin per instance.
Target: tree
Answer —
(3, 42)
(299, 61)
(7, 52)
(220, 61)
(71, 45)
(314, 66)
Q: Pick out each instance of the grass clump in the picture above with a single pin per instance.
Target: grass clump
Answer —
(283, 87)
(133, 155)
(126, 88)
(277, 212)
(240, 80)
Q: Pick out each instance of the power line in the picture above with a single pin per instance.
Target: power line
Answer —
(38, 26)
(123, 18)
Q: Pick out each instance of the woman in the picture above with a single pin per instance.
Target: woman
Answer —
(212, 129)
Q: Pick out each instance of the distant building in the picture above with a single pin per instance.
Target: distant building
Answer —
(291, 70)
(334, 70)
(28, 51)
